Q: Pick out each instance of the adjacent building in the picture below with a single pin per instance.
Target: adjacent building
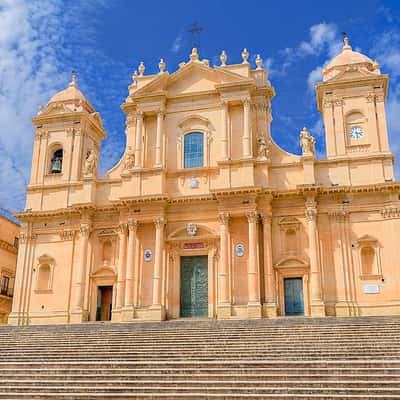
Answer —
(9, 232)
(205, 215)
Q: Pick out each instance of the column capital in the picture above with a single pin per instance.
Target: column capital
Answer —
(132, 224)
(161, 113)
(139, 115)
(252, 216)
(224, 103)
(246, 102)
(122, 227)
(266, 217)
(159, 222)
(311, 213)
(84, 229)
(223, 218)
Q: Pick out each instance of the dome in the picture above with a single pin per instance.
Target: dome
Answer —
(72, 97)
(347, 58)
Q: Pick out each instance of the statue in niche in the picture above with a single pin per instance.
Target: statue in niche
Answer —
(263, 148)
(307, 142)
(90, 165)
(129, 161)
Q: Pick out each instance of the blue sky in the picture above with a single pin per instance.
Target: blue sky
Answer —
(42, 41)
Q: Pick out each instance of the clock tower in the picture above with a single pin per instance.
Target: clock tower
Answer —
(351, 99)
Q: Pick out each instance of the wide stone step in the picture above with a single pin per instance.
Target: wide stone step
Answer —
(181, 384)
(193, 396)
(226, 390)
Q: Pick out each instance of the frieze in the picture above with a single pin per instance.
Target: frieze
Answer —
(67, 234)
(391, 212)
(8, 246)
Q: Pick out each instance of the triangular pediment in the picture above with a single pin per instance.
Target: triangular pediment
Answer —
(352, 73)
(193, 77)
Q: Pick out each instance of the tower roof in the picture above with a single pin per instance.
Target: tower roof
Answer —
(72, 96)
(348, 58)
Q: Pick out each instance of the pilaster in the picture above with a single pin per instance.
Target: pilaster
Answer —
(317, 305)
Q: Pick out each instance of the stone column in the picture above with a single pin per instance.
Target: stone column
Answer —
(128, 310)
(139, 139)
(270, 306)
(158, 310)
(224, 129)
(159, 138)
(317, 305)
(246, 129)
(80, 274)
(254, 306)
(122, 234)
(224, 303)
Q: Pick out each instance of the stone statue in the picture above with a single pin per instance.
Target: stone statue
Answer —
(90, 165)
(307, 142)
(129, 161)
(263, 148)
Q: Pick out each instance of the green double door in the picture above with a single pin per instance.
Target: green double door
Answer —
(194, 286)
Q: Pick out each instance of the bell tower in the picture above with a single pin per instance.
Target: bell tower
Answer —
(68, 133)
(351, 99)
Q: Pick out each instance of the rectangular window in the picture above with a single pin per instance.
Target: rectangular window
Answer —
(193, 150)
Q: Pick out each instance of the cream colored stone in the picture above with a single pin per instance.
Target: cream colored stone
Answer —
(333, 223)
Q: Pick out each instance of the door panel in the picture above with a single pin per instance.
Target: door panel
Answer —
(194, 286)
(294, 303)
(104, 303)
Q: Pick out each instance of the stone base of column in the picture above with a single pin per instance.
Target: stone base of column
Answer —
(116, 315)
(254, 310)
(269, 310)
(317, 309)
(224, 311)
(78, 316)
(127, 313)
(15, 318)
(156, 312)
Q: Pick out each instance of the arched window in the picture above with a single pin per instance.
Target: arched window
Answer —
(193, 150)
(43, 280)
(56, 162)
(367, 260)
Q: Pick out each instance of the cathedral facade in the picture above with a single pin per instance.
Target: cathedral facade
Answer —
(204, 215)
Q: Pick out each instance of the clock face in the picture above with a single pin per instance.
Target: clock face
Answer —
(356, 132)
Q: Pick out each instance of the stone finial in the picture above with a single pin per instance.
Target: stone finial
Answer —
(41, 109)
(141, 68)
(74, 79)
(223, 57)
(245, 56)
(375, 65)
(161, 66)
(134, 77)
(346, 45)
(259, 62)
(194, 56)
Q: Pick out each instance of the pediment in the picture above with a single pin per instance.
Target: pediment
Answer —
(104, 271)
(193, 77)
(201, 231)
(352, 73)
(291, 262)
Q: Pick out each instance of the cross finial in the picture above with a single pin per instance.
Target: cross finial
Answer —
(195, 31)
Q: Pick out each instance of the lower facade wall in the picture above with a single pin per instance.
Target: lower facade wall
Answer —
(258, 265)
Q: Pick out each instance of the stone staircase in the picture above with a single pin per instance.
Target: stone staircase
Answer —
(291, 358)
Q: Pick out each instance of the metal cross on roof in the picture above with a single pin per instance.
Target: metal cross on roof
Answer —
(195, 31)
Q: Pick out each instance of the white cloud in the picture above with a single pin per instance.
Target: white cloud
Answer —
(178, 42)
(313, 77)
(29, 75)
